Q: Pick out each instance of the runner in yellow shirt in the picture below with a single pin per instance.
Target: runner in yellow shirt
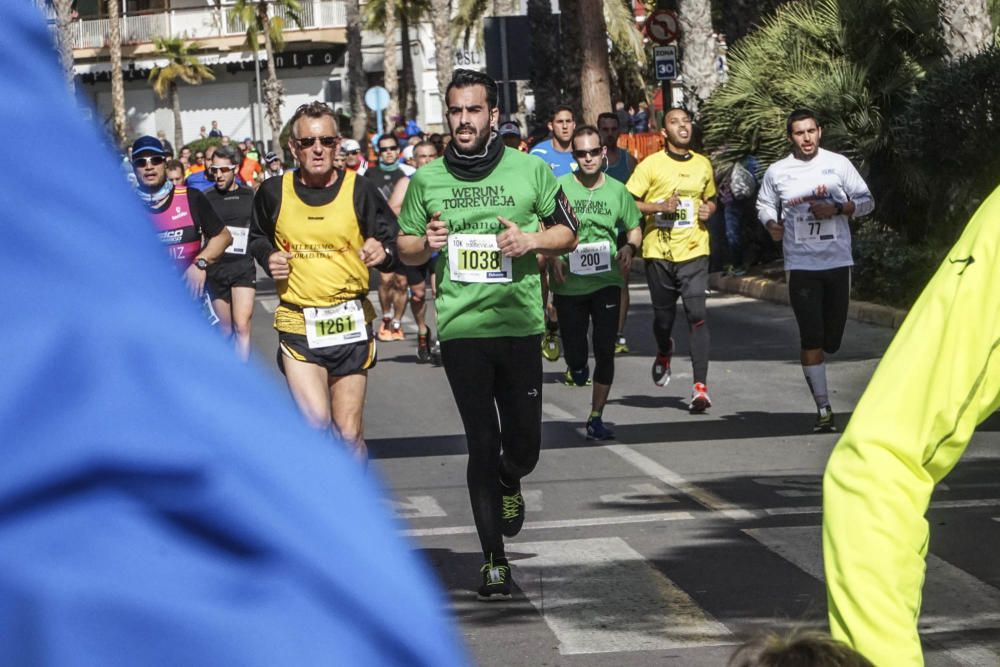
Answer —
(939, 379)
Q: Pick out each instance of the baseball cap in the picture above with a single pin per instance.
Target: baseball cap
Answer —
(509, 129)
(248, 139)
(147, 144)
(348, 145)
(408, 153)
(270, 157)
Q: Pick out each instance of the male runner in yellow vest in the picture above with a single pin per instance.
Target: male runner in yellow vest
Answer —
(317, 230)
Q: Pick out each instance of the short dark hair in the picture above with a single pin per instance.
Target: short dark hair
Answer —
(686, 111)
(426, 143)
(387, 135)
(813, 648)
(560, 108)
(465, 78)
(608, 115)
(174, 164)
(797, 115)
(313, 110)
(227, 153)
(584, 130)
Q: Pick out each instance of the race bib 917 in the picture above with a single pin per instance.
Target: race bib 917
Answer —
(476, 258)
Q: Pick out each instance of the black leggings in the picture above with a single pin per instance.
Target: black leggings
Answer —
(820, 300)
(689, 280)
(576, 312)
(497, 383)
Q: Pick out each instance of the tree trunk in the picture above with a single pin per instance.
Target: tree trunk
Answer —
(444, 52)
(272, 87)
(175, 104)
(117, 81)
(356, 73)
(64, 23)
(966, 26)
(408, 96)
(595, 72)
(397, 90)
(547, 63)
(698, 50)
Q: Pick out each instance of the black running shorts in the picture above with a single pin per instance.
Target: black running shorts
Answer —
(819, 300)
(225, 275)
(338, 360)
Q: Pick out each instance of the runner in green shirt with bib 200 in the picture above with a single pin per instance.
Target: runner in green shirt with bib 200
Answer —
(587, 283)
(489, 210)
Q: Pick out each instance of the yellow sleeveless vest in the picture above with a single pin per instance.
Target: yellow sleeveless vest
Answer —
(326, 269)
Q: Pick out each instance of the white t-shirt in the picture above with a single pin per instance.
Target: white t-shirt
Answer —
(789, 187)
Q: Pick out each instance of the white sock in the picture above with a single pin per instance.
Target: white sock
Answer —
(816, 379)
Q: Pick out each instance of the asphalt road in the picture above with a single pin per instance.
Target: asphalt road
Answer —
(675, 542)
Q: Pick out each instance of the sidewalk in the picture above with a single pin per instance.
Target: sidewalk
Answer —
(769, 284)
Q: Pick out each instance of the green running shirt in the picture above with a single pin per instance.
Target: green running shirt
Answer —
(603, 213)
(522, 189)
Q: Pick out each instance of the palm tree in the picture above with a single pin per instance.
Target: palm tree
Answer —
(444, 52)
(255, 16)
(390, 73)
(117, 81)
(182, 65)
(403, 101)
(64, 34)
(356, 72)
(967, 28)
(595, 70)
(698, 48)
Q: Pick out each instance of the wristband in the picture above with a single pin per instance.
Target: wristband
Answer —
(839, 207)
(635, 248)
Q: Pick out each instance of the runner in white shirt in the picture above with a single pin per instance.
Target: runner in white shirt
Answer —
(806, 201)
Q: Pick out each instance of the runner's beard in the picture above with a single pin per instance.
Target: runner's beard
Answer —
(482, 137)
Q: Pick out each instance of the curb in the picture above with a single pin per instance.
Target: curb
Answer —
(757, 287)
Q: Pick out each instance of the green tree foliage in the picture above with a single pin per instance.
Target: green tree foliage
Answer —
(182, 65)
(950, 134)
(857, 63)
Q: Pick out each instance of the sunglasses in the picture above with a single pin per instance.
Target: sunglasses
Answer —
(219, 170)
(307, 142)
(156, 161)
(351, 152)
(386, 149)
(579, 155)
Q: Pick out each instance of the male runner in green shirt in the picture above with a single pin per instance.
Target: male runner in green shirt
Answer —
(489, 210)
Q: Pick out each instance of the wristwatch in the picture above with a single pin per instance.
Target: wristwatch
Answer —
(635, 248)
(839, 207)
(201, 263)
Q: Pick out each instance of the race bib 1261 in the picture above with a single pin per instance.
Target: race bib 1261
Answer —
(339, 325)
(476, 258)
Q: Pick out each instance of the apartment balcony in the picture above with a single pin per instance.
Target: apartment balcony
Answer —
(199, 23)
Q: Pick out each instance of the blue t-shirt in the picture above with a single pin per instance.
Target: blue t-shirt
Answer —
(560, 163)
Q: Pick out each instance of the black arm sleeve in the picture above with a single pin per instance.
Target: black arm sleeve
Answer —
(562, 214)
(377, 221)
(263, 219)
(207, 219)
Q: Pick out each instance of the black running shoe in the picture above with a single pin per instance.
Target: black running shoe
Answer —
(824, 421)
(496, 581)
(424, 342)
(512, 510)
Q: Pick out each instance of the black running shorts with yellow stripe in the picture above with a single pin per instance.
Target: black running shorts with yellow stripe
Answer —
(338, 360)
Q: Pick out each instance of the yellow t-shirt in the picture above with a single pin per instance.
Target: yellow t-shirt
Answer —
(679, 237)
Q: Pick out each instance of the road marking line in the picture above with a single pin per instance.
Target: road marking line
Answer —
(416, 507)
(270, 304)
(555, 412)
(954, 601)
(641, 494)
(600, 595)
(562, 523)
(665, 516)
(702, 496)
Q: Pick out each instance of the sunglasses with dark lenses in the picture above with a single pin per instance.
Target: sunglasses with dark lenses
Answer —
(579, 155)
(219, 170)
(307, 142)
(386, 149)
(156, 161)
(355, 152)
